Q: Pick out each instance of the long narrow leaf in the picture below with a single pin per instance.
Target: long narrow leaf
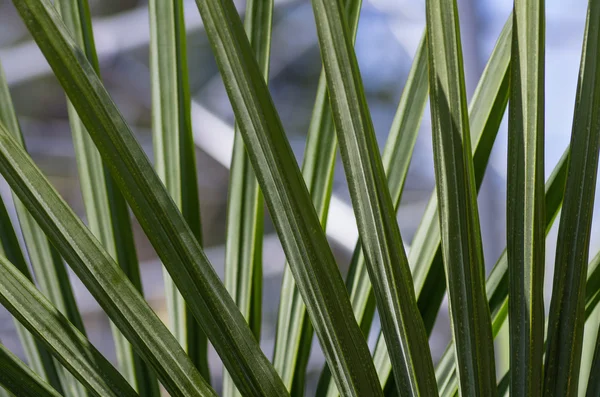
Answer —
(38, 357)
(106, 209)
(287, 197)
(459, 219)
(67, 343)
(50, 272)
(245, 213)
(379, 232)
(165, 226)
(525, 199)
(19, 379)
(592, 285)
(174, 153)
(497, 282)
(293, 338)
(567, 308)
(99, 273)
(396, 160)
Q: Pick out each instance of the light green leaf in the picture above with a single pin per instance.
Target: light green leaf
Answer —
(20, 379)
(106, 209)
(158, 215)
(525, 223)
(459, 219)
(567, 308)
(245, 207)
(20, 297)
(396, 160)
(174, 153)
(380, 236)
(294, 332)
(497, 282)
(289, 203)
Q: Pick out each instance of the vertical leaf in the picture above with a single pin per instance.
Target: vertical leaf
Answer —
(497, 282)
(174, 152)
(294, 331)
(525, 199)
(287, 197)
(106, 209)
(378, 228)
(396, 159)
(245, 214)
(567, 310)
(50, 272)
(19, 379)
(459, 218)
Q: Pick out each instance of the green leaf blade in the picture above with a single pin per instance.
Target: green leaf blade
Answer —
(567, 307)
(106, 209)
(396, 160)
(245, 213)
(294, 331)
(459, 220)
(19, 379)
(525, 199)
(378, 228)
(26, 303)
(159, 216)
(174, 154)
(296, 221)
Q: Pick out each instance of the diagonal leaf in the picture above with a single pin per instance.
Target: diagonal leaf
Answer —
(19, 379)
(69, 345)
(567, 307)
(378, 228)
(294, 331)
(497, 282)
(459, 219)
(174, 153)
(165, 226)
(106, 209)
(286, 195)
(99, 272)
(396, 160)
(50, 272)
(245, 207)
(525, 199)
(38, 357)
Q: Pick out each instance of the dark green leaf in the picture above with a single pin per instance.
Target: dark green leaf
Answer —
(245, 213)
(567, 308)
(289, 203)
(99, 273)
(459, 219)
(19, 296)
(294, 331)
(20, 379)
(106, 209)
(525, 222)
(164, 224)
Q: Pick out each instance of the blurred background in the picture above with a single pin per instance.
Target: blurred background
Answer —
(388, 35)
